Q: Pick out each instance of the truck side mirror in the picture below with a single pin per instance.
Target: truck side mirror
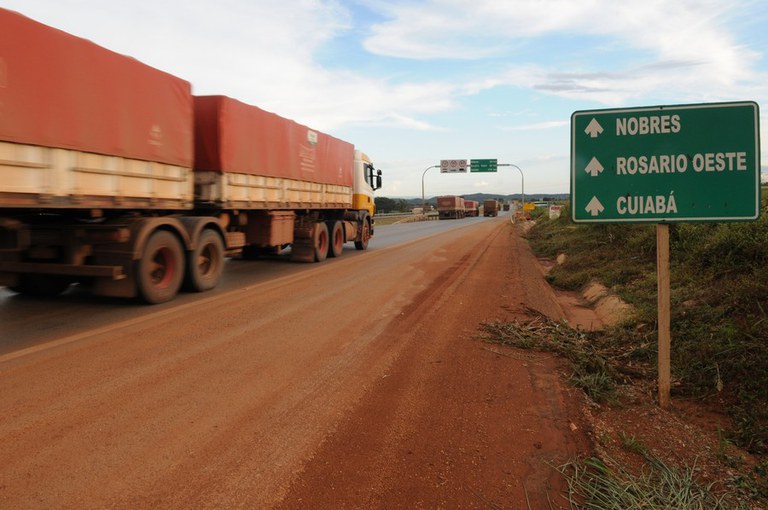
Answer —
(375, 178)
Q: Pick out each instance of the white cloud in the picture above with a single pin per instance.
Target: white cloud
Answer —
(394, 187)
(265, 53)
(672, 28)
(679, 45)
(554, 124)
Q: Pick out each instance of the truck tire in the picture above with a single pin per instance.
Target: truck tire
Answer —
(320, 241)
(336, 239)
(41, 285)
(364, 236)
(160, 269)
(205, 262)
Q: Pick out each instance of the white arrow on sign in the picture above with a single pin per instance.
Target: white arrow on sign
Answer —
(594, 128)
(594, 207)
(594, 167)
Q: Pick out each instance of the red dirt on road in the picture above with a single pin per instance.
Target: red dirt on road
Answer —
(357, 383)
(457, 422)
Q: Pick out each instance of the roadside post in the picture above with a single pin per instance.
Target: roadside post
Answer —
(522, 182)
(423, 204)
(666, 164)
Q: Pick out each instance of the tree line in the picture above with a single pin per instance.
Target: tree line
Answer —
(390, 205)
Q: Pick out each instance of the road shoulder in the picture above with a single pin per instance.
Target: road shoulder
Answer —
(457, 422)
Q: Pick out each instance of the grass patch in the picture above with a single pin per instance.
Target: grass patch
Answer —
(719, 329)
(632, 444)
(605, 485)
(601, 362)
(597, 365)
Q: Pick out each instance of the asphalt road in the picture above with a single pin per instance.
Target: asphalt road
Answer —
(26, 322)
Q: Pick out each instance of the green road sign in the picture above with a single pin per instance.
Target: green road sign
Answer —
(482, 165)
(666, 164)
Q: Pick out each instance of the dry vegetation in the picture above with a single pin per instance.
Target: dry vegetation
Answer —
(710, 450)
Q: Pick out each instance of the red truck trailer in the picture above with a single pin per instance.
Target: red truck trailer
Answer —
(450, 207)
(112, 175)
(491, 207)
(471, 207)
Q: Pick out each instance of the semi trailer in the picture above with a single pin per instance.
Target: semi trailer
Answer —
(450, 207)
(115, 177)
(471, 207)
(491, 207)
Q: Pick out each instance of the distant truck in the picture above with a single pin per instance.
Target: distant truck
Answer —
(450, 207)
(113, 176)
(490, 207)
(471, 207)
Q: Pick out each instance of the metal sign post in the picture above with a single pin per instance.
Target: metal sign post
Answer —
(522, 181)
(664, 312)
(423, 204)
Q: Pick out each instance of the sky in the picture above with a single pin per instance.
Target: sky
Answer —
(412, 82)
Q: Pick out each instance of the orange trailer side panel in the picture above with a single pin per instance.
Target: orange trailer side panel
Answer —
(450, 202)
(234, 137)
(58, 90)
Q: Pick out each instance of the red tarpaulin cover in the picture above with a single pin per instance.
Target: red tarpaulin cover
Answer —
(59, 90)
(450, 201)
(234, 137)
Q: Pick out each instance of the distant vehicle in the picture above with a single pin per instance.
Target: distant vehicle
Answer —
(450, 207)
(491, 207)
(471, 207)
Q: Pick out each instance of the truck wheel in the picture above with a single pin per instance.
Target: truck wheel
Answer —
(320, 241)
(337, 239)
(40, 285)
(161, 268)
(365, 236)
(205, 262)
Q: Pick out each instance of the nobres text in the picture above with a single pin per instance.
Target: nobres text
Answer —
(662, 124)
